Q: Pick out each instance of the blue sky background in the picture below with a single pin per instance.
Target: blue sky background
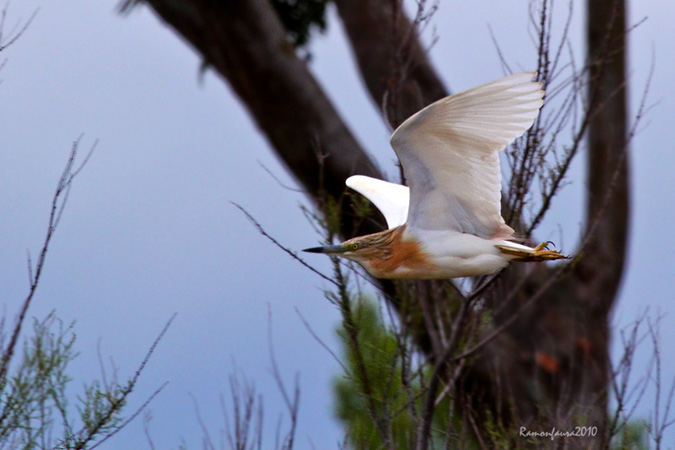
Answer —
(149, 229)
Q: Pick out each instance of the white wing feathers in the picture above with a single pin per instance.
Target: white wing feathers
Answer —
(449, 153)
(391, 199)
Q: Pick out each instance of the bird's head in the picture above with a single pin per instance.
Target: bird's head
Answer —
(387, 254)
(360, 249)
(369, 250)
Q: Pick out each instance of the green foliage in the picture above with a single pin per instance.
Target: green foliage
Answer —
(31, 395)
(379, 350)
(33, 400)
(633, 436)
(299, 16)
(332, 217)
(394, 401)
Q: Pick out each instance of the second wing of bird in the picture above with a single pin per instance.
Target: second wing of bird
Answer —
(449, 153)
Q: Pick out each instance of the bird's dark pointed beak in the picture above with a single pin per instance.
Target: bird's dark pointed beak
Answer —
(329, 249)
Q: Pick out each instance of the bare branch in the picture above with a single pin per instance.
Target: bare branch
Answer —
(121, 397)
(58, 205)
(14, 35)
(207, 442)
(321, 342)
(292, 405)
(293, 254)
(661, 416)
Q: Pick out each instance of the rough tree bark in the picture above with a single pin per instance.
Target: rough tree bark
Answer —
(553, 360)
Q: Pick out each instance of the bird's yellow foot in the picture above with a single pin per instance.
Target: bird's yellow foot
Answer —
(542, 253)
(543, 246)
(539, 253)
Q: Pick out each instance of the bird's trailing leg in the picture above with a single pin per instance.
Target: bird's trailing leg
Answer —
(543, 246)
(537, 254)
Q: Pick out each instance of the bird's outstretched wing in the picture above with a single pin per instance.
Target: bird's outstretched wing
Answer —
(391, 199)
(449, 153)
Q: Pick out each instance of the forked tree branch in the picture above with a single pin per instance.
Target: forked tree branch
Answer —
(244, 42)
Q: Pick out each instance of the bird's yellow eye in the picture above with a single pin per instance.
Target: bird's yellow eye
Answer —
(353, 247)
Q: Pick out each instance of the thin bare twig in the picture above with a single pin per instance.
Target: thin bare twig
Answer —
(58, 205)
(147, 418)
(292, 405)
(207, 442)
(620, 378)
(321, 342)
(294, 255)
(281, 183)
(12, 39)
(244, 404)
(660, 420)
(142, 408)
(509, 321)
(128, 389)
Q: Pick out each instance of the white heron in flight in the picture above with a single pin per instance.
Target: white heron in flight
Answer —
(448, 222)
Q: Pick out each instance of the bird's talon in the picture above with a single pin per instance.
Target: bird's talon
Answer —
(543, 246)
(547, 255)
